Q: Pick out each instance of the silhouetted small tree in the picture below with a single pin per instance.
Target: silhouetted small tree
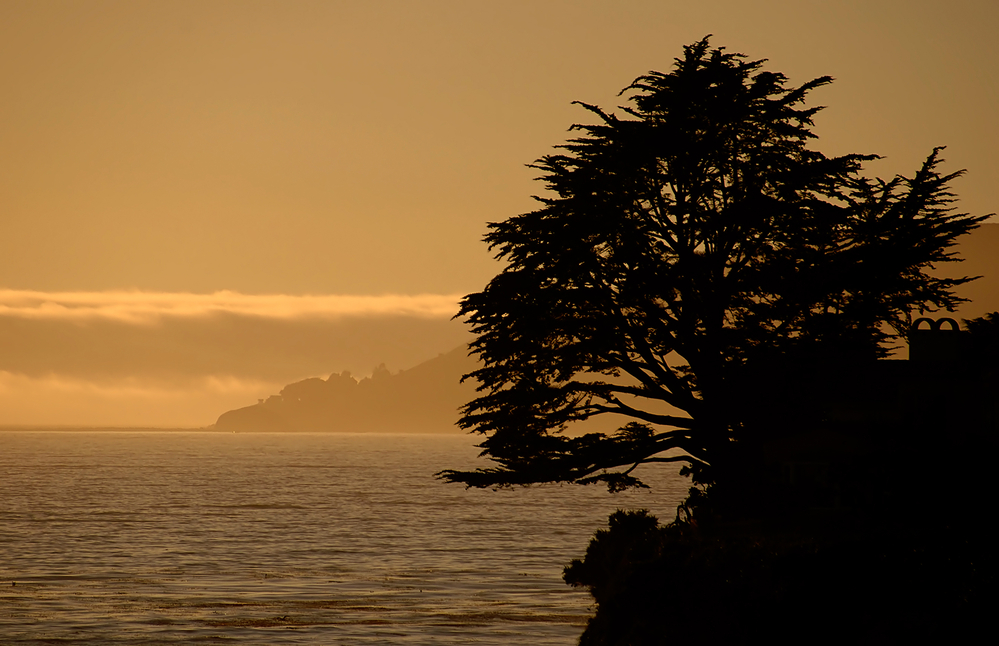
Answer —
(688, 253)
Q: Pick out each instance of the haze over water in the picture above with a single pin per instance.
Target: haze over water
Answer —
(130, 537)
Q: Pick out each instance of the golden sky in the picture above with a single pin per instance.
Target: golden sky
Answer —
(180, 150)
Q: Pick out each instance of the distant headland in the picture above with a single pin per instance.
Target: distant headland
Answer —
(423, 399)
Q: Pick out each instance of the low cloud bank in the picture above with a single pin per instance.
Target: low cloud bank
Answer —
(139, 307)
(246, 347)
(55, 400)
(170, 359)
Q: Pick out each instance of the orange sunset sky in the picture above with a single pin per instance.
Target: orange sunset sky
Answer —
(204, 201)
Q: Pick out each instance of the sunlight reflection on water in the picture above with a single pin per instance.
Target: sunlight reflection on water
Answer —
(171, 537)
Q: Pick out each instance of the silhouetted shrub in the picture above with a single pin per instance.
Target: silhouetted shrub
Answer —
(891, 583)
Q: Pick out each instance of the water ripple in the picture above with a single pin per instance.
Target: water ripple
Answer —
(174, 537)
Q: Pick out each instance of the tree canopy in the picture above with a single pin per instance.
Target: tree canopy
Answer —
(686, 252)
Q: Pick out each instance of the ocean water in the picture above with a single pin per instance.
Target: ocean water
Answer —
(157, 537)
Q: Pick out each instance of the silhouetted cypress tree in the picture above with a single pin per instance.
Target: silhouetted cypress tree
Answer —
(687, 253)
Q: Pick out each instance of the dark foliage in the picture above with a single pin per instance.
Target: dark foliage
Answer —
(875, 583)
(903, 553)
(983, 342)
(691, 258)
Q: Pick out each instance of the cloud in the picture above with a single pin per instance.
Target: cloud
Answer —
(68, 401)
(247, 347)
(138, 307)
(163, 359)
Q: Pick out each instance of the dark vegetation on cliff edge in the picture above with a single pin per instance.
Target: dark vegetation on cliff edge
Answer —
(875, 527)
